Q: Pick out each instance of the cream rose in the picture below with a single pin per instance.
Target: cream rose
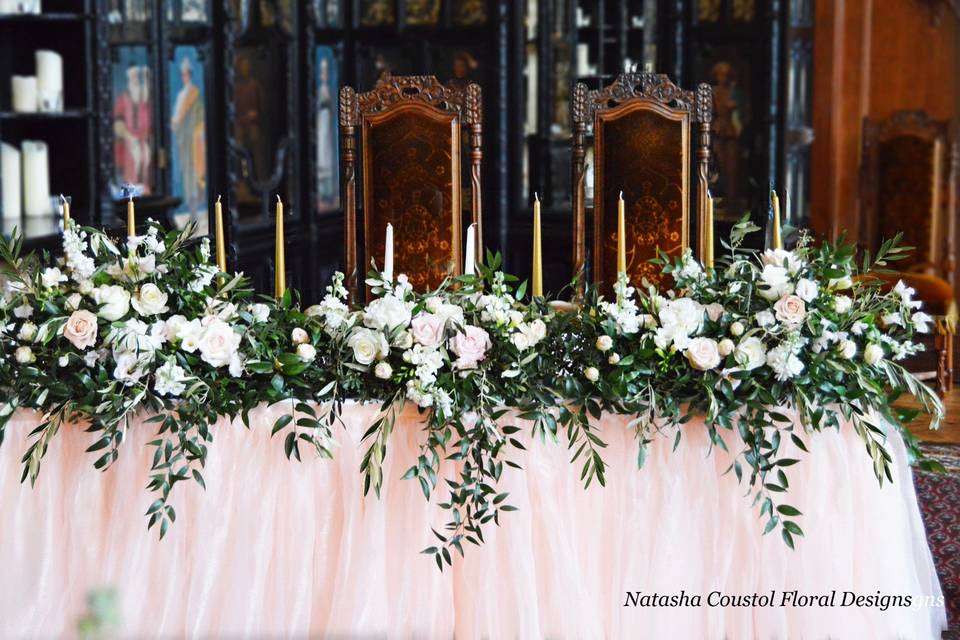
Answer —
(113, 301)
(428, 328)
(848, 349)
(807, 289)
(604, 343)
(24, 355)
(81, 329)
(714, 311)
(726, 347)
(306, 352)
(750, 353)
(591, 374)
(614, 358)
(873, 354)
(218, 344)
(790, 309)
(383, 370)
(736, 329)
(471, 346)
(149, 300)
(28, 331)
(299, 336)
(368, 345)
(73, 301)
(842, 304)
(703, 353)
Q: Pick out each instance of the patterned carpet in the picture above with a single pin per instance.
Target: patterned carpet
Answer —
(939, 498)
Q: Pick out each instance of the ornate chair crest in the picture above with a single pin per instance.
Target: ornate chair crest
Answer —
(642, 146)
(410, 141)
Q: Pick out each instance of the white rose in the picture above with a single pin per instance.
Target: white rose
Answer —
(85, 287)
(299, 336)
(782, 258)
(604, 343)
(848, 349)
(873, 354)
(470, 345)
(149, 300)
(703, 353)
(776, 282)
(736, 329)
(520, 340)
(614, 358)
(24, 355)
(235, 368)
(807, 289)
(368, 345)
(386, 313)
(52, 277)
(403, 340)
(841, 283)
(312, 311)
(218, 344)
(63, 361)
(591, 374)
(725, 347)
(750, 353)
(27, 332)
(537, 330)
(383, 370)
(306, 352)
(765, 319)
(113, 301)
(790, 309)
(261, 312)
(73, 302)
(842, 304)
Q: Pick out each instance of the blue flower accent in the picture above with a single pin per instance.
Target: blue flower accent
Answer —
(130, 190)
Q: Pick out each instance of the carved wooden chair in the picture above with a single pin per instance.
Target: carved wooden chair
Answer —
(643, 146)
(909, 185)
(410, 140)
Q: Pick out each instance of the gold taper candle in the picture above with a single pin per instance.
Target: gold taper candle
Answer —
(537, 280)
(66, 210)
(280, 261)
(621, 237)
(131, 218)
(221, 242)
(708, 236)
(777, 239)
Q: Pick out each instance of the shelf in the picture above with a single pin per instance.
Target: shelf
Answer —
(43, 17)
(71, 114)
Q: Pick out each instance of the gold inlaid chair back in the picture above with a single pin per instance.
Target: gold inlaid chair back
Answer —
(410, 158)
(908, 186)
(643, 145)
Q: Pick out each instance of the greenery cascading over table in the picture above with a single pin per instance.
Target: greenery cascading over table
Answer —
(150, 325)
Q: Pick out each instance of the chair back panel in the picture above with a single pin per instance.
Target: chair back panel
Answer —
(411, 179)
(641, 148)
(643, 145)
(907, 168)
(411, 132)
(907, 185)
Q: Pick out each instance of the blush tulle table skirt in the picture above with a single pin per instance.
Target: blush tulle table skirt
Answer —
(284, 549)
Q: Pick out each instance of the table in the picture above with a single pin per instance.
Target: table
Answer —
(287, 549)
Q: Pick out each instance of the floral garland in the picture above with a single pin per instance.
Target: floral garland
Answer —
(106, 332)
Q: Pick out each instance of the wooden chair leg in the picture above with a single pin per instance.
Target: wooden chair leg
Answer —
(940, 343)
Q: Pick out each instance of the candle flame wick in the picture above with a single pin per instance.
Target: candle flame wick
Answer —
(218, 197)
(278, 199)
(62, 199)
(621, 194)
(536, 196)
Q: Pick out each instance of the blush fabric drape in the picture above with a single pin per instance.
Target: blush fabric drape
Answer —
(284, 549)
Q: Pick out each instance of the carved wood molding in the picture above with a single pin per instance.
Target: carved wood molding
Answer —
(651, 86)
(915, 122)
(391, 91)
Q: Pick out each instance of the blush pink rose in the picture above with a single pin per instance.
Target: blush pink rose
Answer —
(81, 329)
(471, 346)
(427, 329)
(790, 309)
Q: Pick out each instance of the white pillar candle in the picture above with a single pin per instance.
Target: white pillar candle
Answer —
(470, 255)
(10, 177)
(28, 6)
(8, 7)
(49, 81)
(24, 89)
(388, 254)
(583, 59)
(36, 178)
